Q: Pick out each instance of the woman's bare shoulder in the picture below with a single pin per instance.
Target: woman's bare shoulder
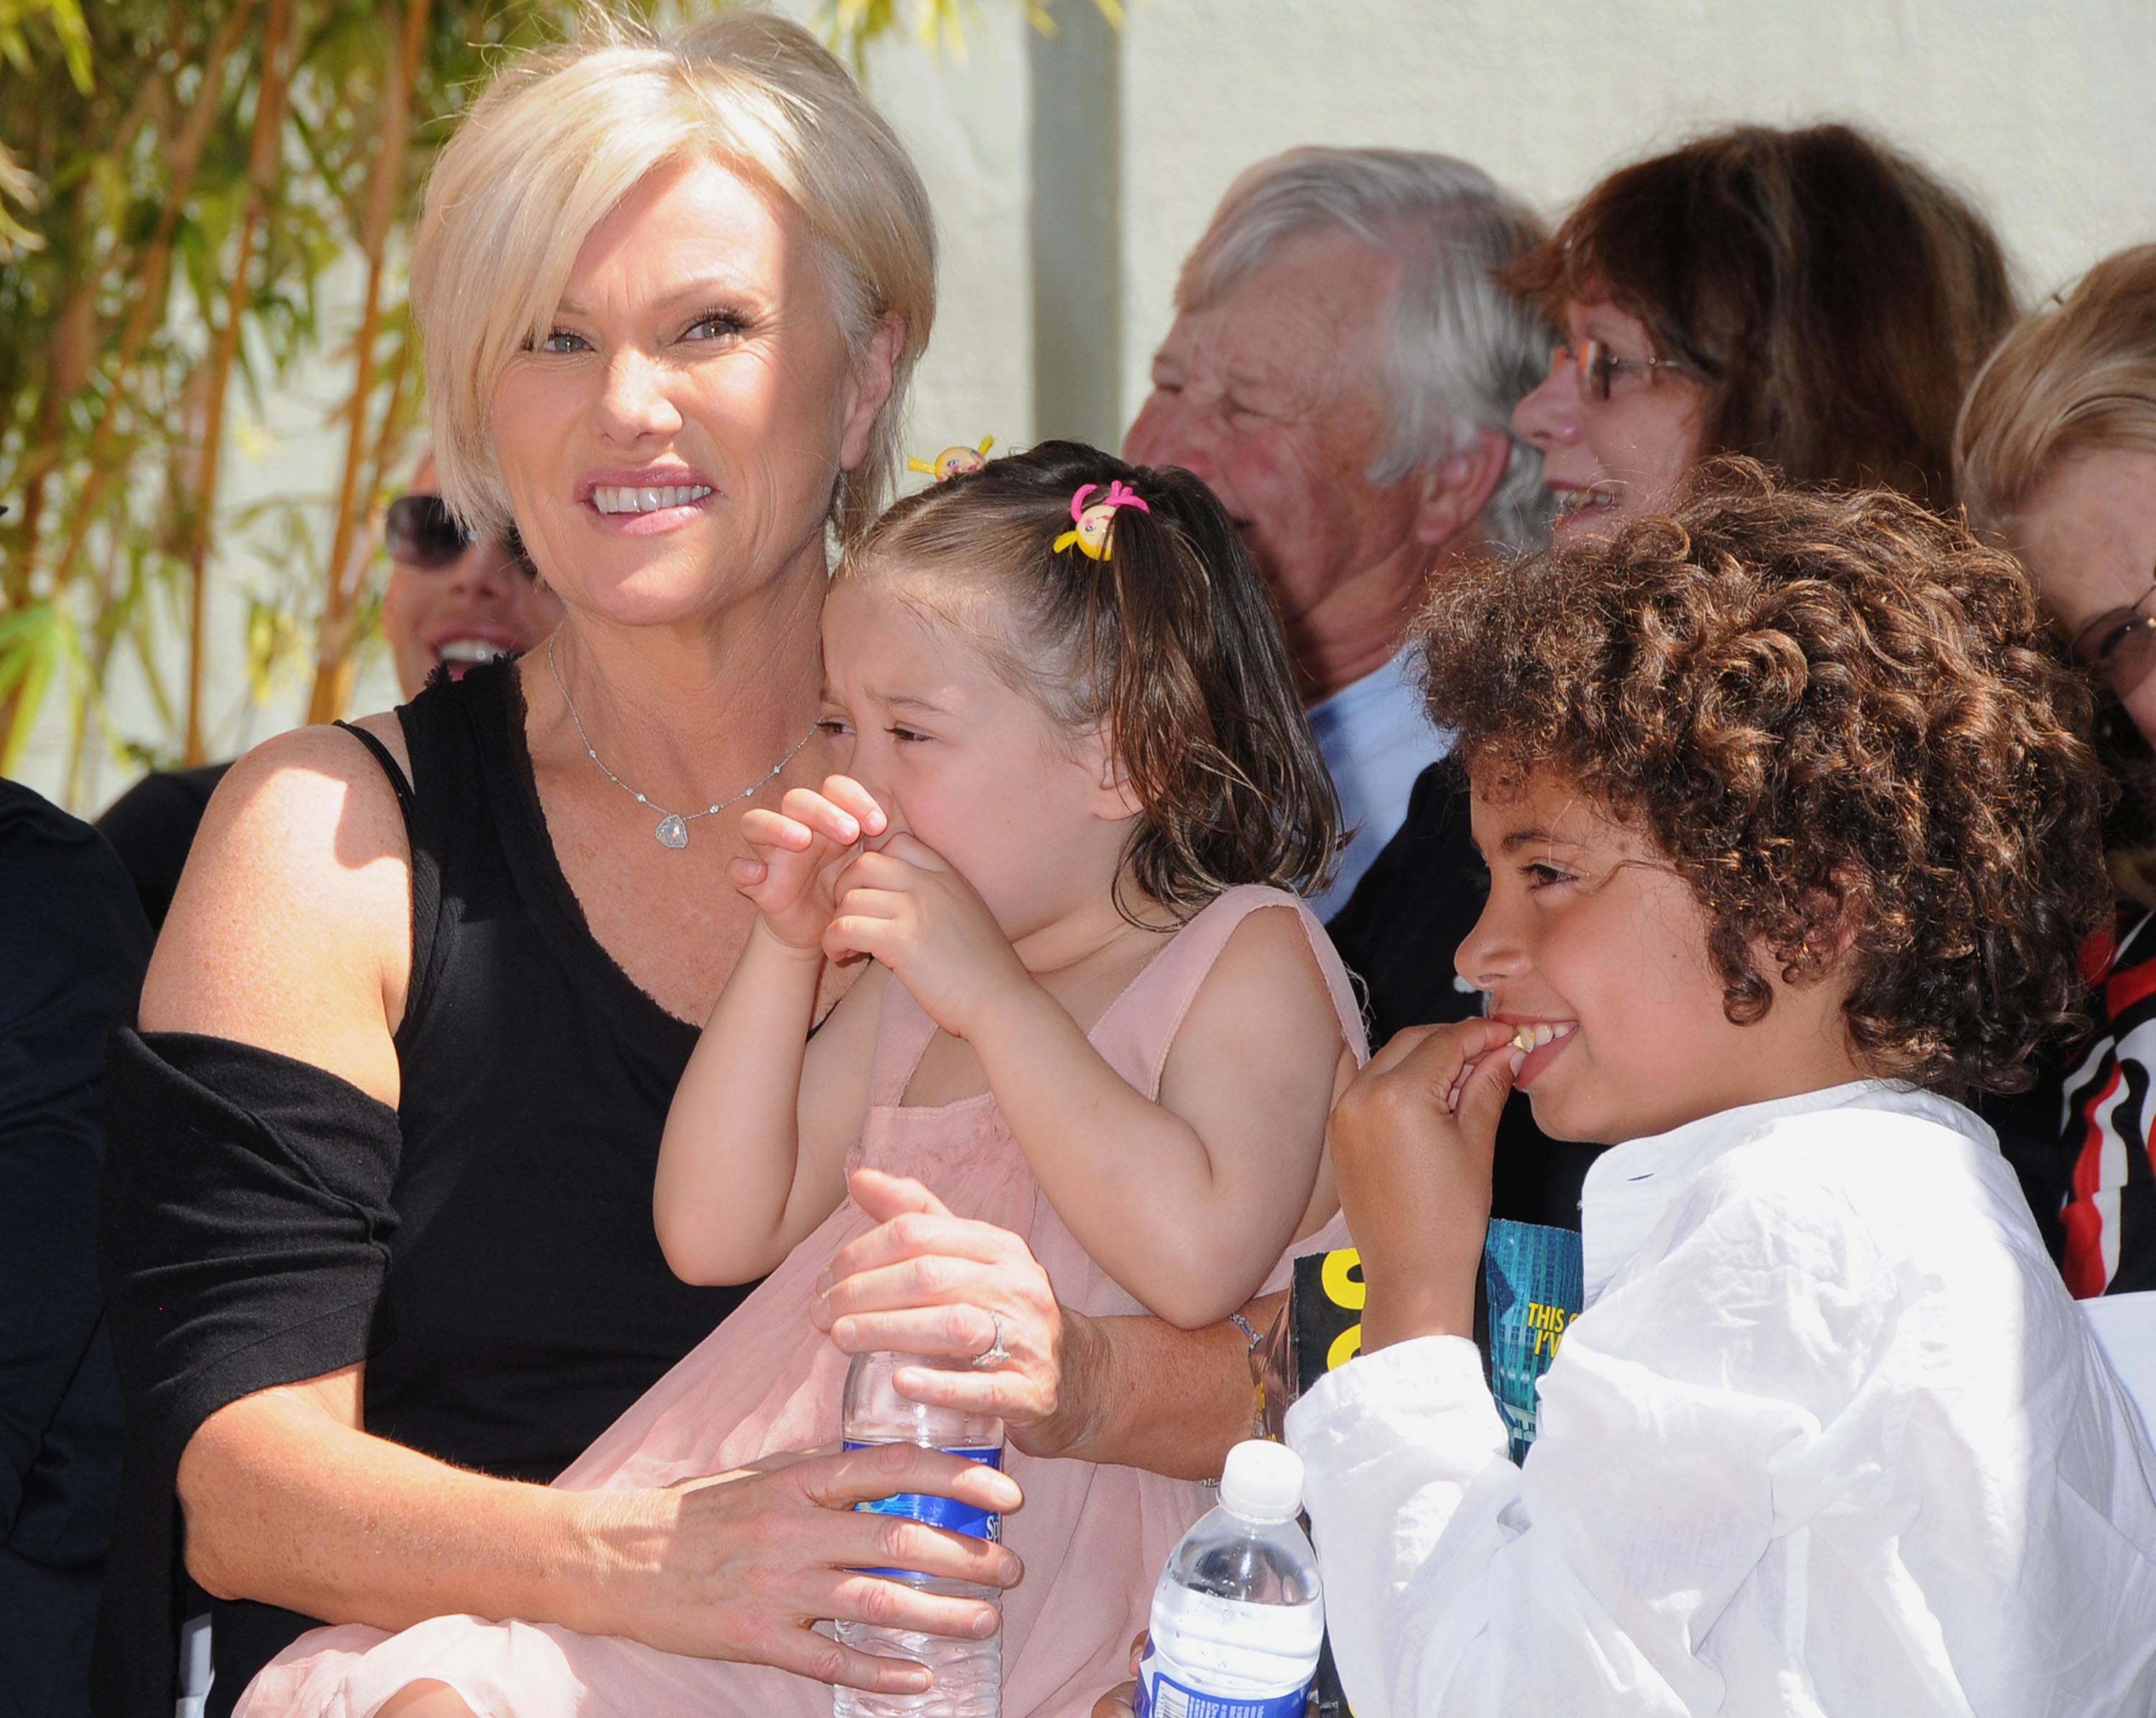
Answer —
(291, 927)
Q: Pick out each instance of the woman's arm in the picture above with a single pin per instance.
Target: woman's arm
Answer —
(290, 932)
(288, 1501)
(754, 1156)
(1187, 1202)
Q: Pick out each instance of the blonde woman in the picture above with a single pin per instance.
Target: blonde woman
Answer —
(2057, 451)
(378, 1229)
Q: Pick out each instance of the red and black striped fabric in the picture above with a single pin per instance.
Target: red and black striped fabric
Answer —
(2110, 1116)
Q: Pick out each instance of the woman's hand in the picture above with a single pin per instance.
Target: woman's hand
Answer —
(1411, 1143)
(908, 908)
(800, 851)
(926, 1282)
(287, 1500)
(741, 1566)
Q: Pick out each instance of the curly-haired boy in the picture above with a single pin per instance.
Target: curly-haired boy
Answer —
(1792, 841)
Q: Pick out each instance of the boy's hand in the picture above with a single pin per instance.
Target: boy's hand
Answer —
(798, 852)
(1411, 1145)
(909, 910)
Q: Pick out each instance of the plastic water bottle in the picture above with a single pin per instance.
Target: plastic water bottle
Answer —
(1238, 1617)
(968, 1674)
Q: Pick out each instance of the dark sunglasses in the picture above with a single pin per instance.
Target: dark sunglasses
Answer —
(422, 533)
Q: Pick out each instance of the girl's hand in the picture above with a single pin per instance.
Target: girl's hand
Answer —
(907, 908)
(1411, 1145)
(798, 852)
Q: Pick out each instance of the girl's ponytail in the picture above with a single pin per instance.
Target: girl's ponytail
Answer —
(1201, 702)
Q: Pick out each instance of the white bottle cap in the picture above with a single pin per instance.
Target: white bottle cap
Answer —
(1262, 1481)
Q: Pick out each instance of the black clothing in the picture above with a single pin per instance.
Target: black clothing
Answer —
(2030, 1139)
(526, 1302)
(72, 949)
(245, 1231)
(152, 826)
(1398, 934)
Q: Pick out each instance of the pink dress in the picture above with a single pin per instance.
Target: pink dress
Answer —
(1093, 1538)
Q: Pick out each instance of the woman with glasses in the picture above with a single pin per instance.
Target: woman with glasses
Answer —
(2057, 451)
(1810, 298)
(455, 599)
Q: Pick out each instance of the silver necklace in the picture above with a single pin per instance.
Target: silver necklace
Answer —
(673, 831)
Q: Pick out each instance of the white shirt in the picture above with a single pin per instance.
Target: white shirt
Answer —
(1377, 738)
(1830, 1438)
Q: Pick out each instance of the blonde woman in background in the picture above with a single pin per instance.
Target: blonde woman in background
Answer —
(2055, 451)
(377, 1228)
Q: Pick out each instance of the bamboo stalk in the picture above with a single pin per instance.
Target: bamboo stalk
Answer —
(385, 445)
(15, 582)
(262, 161)
(72, 351)
(149, 307)
(198, 547)
(333, 650)
(105, 636)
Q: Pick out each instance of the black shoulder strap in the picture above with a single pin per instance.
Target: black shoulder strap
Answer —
(388, 760)
(426, 874)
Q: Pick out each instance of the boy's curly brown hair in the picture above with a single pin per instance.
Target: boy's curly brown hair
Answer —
(1828, 711)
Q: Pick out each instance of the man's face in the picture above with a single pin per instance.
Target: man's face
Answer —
(1272, 396)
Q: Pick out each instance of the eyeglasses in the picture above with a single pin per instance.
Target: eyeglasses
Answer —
(1597, 366)
(423, 534)
(2121, 645)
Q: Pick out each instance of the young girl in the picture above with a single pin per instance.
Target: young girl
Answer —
(1790, 838)
(1078, 778)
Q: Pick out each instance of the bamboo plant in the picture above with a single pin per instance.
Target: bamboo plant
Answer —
(177, 178)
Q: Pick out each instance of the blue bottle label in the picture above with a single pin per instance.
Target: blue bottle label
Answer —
(1161, 1696)
(945, 1512)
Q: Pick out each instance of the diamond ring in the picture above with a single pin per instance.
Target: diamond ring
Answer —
(995, 1353)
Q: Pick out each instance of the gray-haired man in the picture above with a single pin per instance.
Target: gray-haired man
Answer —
(1342, 371)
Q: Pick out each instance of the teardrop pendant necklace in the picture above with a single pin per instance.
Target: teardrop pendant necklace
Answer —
(673, 831)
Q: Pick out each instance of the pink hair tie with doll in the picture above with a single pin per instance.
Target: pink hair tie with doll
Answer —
(1091, 533)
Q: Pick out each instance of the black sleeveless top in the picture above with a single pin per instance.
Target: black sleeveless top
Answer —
(528, 1303)
(488, 1247)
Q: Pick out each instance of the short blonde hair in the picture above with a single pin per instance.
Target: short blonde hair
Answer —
(563, 134)
(2081, 374)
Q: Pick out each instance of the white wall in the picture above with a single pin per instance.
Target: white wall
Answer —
(2045, 113)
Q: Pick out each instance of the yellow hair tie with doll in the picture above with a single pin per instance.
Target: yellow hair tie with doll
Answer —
(953, 461)
(1091, 526)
